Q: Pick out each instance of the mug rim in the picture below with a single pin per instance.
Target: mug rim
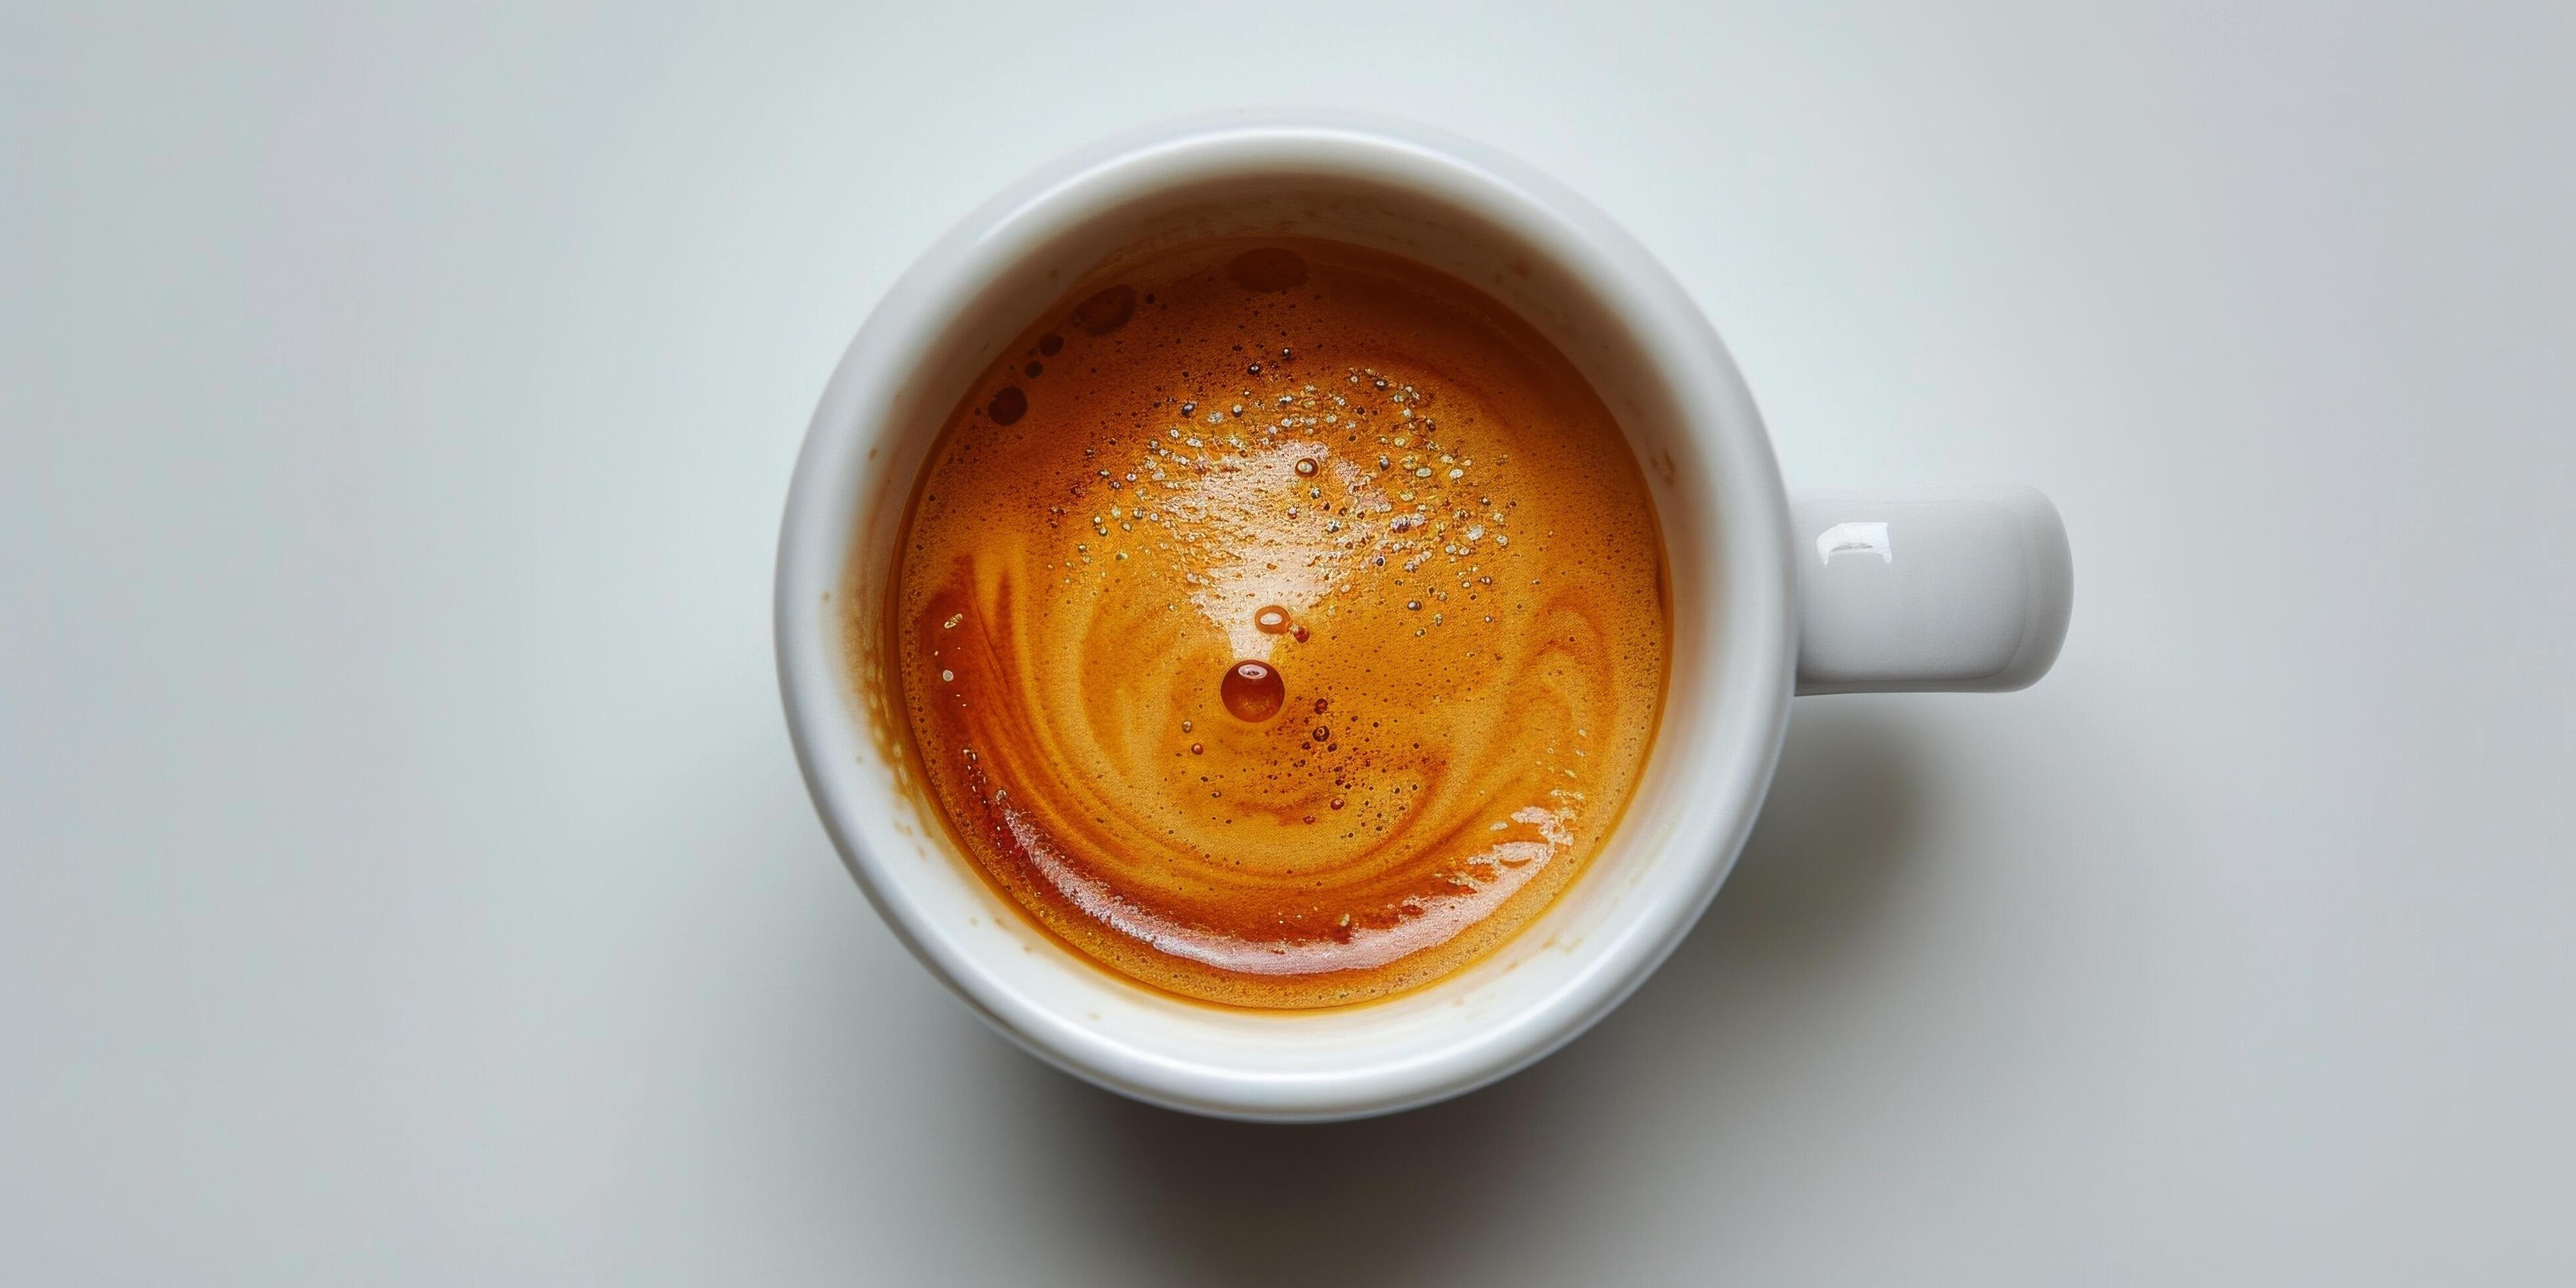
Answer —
(1753, 567)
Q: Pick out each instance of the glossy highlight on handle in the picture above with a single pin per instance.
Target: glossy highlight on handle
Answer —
(1960, 589)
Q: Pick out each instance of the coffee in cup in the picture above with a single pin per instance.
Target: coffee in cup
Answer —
(1279, 623)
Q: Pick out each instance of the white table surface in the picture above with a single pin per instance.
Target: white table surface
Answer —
(404, 878)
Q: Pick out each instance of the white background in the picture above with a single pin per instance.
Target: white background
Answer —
(404, 878)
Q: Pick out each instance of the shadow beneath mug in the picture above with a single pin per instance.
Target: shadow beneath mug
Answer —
(1375, 1202)
(1834, 835)
(1386, 1200)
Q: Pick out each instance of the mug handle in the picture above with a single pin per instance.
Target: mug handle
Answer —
(1929, 590)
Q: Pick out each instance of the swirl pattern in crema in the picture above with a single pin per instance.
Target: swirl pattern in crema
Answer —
(1281, 624)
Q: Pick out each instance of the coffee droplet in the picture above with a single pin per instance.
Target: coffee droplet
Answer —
(1271, 620)
(1008, 405)
(1105, 311)
(1306, 467)
(1253, 691)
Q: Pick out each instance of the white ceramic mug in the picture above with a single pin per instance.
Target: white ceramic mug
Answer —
(1771, 594)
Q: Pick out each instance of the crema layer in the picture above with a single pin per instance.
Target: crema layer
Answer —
(1279, 623)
